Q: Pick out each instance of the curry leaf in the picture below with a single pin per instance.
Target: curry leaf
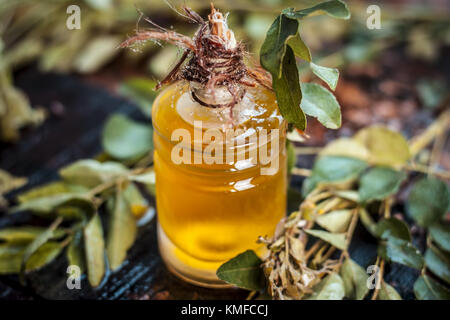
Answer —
(387, 292)
(329, 75)
(330, 288)
(334, 8)
(320, 103)
(46, 205)
(94, 247)
(333, 169)
(75, 251)
(335, 239)
(386, 147)
(425, 288)
(288, 92)
(26, 234)
(401, 251)
(379, 183)
(428, 201)
(243, 271)
(273, 49)
(439, 263)
(91, 173)
(38, 242)
(121, 231)
(124, 138)
(392, 227)
(441, 235)
(355, 280)
(335, 221)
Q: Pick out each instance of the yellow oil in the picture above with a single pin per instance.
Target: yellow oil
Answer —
(212, 212)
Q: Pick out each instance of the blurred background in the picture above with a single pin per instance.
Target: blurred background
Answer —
(397, 75)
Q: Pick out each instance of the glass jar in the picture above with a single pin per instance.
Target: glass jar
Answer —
(221, 176)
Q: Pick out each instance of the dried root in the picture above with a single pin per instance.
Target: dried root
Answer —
(212, 58)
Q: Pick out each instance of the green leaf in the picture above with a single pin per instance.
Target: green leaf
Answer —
(439, 263)
(243, 271)
(401, 251)
(329, 75)
(425, 288)
(320, 103)
(387, 292)
(11, 257)
(273, 50)
(386, 147)
(334, 8)
(333, 169)
(94, 247)
(91, 173)
(379, 183)
(441, 235)
(46, 205)
(355, 280)
(428, 201)
(335, 221)
(330, 288)
(299, 47)
(124, 138)
(25, 234)
(392, 227)
(38, 242)
(76, 252)
(288, 92)
(121, 231)
(43, 256)
(335, 239)
(141, 91)
(50, 189)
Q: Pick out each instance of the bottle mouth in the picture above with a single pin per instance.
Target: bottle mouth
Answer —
(217, 97)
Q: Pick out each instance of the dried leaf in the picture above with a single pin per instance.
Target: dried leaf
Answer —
(121, 231)
(345, 147)
(355, 280)
(386, 147)
(335, 239)
(330, 288)
(94, 247)
(96, 53)
(335, 221)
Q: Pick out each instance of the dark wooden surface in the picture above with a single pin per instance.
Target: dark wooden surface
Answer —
(72, 131)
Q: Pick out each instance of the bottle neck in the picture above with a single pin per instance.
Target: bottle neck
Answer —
(217, 97)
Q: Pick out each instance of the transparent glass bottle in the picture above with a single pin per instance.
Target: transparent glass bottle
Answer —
(210, 210)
